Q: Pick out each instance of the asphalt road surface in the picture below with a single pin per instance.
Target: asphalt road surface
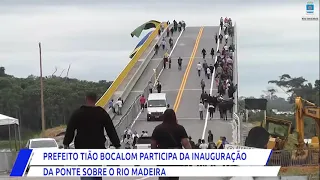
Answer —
(171, 79)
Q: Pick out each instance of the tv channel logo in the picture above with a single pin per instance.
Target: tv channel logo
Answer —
(310, 8)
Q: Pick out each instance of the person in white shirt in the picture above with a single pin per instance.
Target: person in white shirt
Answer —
(119, 103)
(199, 67)
(203, 145)
(179, 27)
(208, 72)
(163, 43)
(201, 109)
(226, 37)
(135, 137)
(128, 141)
(135, 134)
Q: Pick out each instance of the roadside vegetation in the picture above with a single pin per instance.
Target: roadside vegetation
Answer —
(20, 98)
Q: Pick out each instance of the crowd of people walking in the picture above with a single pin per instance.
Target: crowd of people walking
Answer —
(220, 68)
(222, 72)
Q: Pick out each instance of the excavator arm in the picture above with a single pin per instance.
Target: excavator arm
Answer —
(308, 109)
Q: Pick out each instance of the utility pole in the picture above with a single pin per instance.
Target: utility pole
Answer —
(43, 122)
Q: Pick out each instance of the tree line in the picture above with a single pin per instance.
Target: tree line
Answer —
(20, 98)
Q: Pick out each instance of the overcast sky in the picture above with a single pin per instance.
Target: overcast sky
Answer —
(95, 37)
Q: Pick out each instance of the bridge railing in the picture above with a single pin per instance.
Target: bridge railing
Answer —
(236, 123)
(236, 129)
(129, 117)
(135, 108)
(235, 68)
(285, 158)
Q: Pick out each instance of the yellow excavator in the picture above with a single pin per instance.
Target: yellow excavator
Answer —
(280, 130)
(308, 109)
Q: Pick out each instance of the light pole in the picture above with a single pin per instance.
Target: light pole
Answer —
(41, 92)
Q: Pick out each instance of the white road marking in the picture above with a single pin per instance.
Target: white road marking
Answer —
(211, 89)
(137, 91)
(134, 121)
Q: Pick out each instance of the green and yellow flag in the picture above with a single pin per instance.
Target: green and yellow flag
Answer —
(148, 25)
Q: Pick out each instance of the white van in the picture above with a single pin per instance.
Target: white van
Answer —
(156, 105)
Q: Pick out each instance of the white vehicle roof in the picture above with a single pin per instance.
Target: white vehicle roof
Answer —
(42, 143)
(157, 96)
(43, 139)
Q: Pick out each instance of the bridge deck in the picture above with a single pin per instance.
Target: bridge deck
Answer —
(171, 79)
(145, 77)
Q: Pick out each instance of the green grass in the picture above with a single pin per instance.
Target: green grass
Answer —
(5, 144)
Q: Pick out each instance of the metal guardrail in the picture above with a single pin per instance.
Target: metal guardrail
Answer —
(285, 158)
(236, 128)
(236, 123)
(144, 64)
(235, 67)
(128, 118)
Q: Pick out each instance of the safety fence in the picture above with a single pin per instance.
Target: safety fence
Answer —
(285, 158)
